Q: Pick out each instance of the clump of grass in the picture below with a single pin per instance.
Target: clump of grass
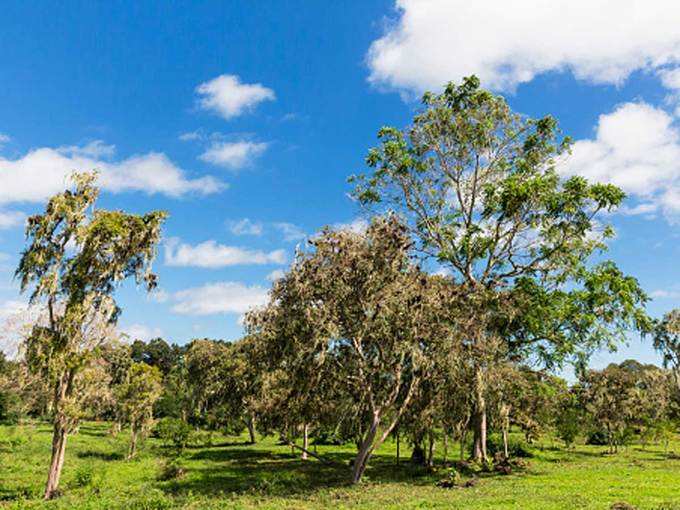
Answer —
(172, 469)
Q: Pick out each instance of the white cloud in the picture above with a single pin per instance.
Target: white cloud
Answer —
(290, 231)
(357, 225)
(508, 43)
(276, 274)
(665, 294)
(4, 138)
(95, 149)
(13, 318)
(142, 332)
(636, 147)
(210, 254)
(219, 298)
(245, 227)
(9, 219)
(233, 155)
(228, 97)
(45, 171)
(190, 136)
(159, 295)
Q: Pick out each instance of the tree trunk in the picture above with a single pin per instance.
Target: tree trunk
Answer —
(359, 465)
(250, 423)
(61, 390)
(133, 442)
(479, 449)
(58, 454)
(446, 446)
(505, 443)
(305, 440)
(430, 450)
(463, 440)
(398, 443)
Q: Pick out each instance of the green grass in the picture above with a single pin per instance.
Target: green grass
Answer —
(232, 474)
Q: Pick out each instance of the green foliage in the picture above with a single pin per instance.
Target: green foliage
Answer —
(173, 431)
(516, 447)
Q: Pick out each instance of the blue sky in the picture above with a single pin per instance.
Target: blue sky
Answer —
(244, 119)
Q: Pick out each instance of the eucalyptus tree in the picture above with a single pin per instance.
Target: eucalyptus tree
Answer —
(75, 258)
(355, 317)
(479, 189)
(667, 341)
(136, 396)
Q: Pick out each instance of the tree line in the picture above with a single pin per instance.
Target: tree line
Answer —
(482, 270)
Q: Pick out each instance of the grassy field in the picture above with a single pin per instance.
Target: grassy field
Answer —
(232, 474)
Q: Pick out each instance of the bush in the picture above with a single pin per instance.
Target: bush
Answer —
(173, 431)
(494, 444)
(88, 477)
(597, 438)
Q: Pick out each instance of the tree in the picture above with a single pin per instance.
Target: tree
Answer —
(136, 397)
(356, 318)
(75, 258)
(667, 341)
(622, 398)
(478, 187)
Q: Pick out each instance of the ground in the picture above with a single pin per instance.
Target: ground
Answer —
(233, 474)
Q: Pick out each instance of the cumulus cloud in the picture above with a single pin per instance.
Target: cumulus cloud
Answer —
(276, 274)
(219, 298)
(357, 225)
(210, 254)
(245, 227)
(142, 332)
(509, 43)
(636, 147)
(665, 294)
(228, 97)
(9, 219)
(290, 231)
(45, 171)
(4, 139)
(233, 155)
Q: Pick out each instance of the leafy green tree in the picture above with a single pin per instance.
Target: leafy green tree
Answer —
(75, 258)
(136, 397)
(479, 189)
(623, 398)
(156, 352)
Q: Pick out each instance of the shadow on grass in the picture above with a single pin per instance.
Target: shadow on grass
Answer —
(92, 454)
(241, 470)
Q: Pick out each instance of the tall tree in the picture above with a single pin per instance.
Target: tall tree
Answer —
(75, 258)
(478, 186)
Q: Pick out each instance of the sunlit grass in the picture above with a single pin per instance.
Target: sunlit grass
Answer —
(233, 474)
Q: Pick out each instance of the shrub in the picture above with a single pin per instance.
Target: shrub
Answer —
(515, 448)
(173, 431)
(88, 477)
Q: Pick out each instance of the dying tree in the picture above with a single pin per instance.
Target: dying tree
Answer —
(479, 189)
(136, 397)
(355, 311)
(75, 258)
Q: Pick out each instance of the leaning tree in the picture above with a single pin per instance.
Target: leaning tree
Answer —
(75, 258)
(478, 186)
